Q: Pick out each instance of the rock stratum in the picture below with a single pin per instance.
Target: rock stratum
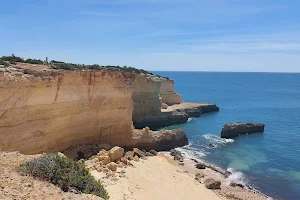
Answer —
(47, 110)
(231, 130)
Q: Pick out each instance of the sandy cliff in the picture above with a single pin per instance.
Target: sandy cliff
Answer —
(43, 111)
(146, 98)
(167, 93)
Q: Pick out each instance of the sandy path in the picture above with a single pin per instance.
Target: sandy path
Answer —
(156, 178)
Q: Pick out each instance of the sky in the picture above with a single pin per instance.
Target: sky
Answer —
(156, 35)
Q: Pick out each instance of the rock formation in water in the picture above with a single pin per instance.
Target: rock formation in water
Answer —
(149, 108)
(231, 130)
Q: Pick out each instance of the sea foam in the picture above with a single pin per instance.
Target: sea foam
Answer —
(216, 140)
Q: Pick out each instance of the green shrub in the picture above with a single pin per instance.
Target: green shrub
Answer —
(12, 59)
(34, 61)
(63, 172)
(6, 64)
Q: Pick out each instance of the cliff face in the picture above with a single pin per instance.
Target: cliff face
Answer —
(167, 93)
(53, 112)
(146, 99)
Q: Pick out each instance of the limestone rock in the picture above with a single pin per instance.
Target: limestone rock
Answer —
(164, 106)
(136, 158)
(149, 154)
(199, 176)
(175, 114)
(138, 153)
(159, 140)
(212, 184)
(200, 166)
(104, 159)
(50, 98)
(129, 155)
(112, 166)
(231, 130)
(153, 152)
(116, 153)
(168, 94)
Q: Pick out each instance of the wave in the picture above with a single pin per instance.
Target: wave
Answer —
(192, 152)
(216, 140)
(190, 119)
(236, 177)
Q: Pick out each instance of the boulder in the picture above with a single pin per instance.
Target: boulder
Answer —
(199, 176)
(231, 130)
(138, 152)
(200, 166)
(162, 140)
(149, 154)
(212, 184)
(112, 166)
(164, 106)
(136, 158)
(153, 152)
(116, 153)
(104, 160)
(129, 155)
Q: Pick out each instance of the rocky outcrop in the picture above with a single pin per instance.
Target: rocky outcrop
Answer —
(49, 110)
(167, 93)
(176, 114)
(212, 184)
(159, 140)
(146, 99)
(231, 130)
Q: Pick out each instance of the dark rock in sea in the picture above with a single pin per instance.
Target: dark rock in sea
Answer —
(196, 161)
(233, 184)
(174, 152)
(231, 130)
(177, 155)
(227, 174)
(212, 184)
(200, 166)
(211, 145)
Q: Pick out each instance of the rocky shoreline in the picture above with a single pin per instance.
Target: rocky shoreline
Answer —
(201, 169)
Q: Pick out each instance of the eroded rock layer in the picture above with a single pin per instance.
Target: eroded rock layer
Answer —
(46, 111)
(175, 114)
(167, 93)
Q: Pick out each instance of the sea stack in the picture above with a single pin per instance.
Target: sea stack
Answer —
(231, 130)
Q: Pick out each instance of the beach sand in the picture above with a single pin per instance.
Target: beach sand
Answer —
(156, 178)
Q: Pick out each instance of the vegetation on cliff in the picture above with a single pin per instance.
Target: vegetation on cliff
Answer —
(12, 59)
(65, 173)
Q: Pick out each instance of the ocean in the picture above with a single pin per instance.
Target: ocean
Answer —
(268, 161)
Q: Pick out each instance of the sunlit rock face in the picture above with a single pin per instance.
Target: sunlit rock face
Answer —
(167, 93)
(146, 98)
(42, 111)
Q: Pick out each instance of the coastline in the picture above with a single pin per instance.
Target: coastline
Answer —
(240, 191)
(160, 177)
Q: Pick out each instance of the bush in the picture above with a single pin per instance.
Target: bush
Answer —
(34, 61)
(63, 172)
(12, 59)
(6, 64)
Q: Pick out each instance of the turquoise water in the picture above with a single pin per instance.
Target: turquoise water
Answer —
(269, 161)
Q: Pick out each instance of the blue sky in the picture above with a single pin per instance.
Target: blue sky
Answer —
(177, 35)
